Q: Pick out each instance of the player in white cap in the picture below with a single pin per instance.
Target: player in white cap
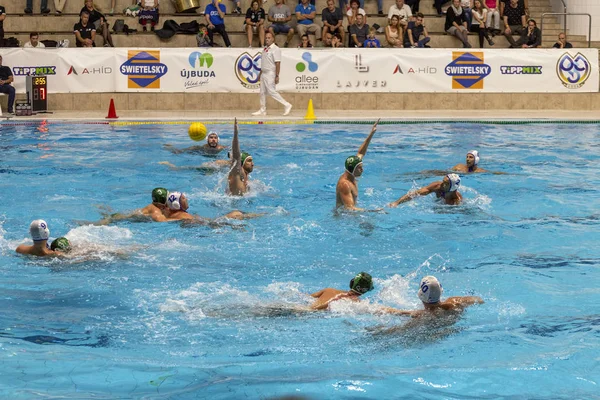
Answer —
(446, 189)
(39, 233)
(472, 163)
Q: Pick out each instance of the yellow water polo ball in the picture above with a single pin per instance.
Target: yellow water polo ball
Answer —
(197, 131)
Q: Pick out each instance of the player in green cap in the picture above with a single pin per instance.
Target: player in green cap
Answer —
(157, 210)
(359, 285)
(242, 167)
(346, 191)
(61, 244)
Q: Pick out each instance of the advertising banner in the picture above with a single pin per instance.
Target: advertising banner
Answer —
(223, 70)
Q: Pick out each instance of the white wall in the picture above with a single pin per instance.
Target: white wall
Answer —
(579, 25)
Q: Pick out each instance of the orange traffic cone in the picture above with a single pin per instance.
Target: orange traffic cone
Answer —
(112, 113)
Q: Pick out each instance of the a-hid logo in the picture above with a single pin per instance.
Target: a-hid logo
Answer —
(304, 81)
(467, 70)
(247, 69)
(90, 71)
(573, 71)
(143, 69)
(201, 62)
(24, 71)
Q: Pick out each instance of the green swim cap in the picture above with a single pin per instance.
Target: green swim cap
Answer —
(361, 283)
(61, 243)
(244, 156)
(352, 162)
(159, 195)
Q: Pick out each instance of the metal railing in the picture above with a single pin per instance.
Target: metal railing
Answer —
(565, 17)
(565, 24)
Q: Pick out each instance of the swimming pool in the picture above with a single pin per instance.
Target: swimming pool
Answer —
(169, 311)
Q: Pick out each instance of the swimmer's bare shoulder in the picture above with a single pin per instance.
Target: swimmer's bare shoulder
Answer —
(461, 301)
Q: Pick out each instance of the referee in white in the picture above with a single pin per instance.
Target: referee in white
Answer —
(269, 75)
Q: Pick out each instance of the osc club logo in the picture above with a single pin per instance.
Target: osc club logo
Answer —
(143, 69)
(468, 70)
(247, 70)
(573, 71)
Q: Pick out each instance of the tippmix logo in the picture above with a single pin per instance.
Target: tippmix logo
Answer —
(305, 80)
(573, 71)
(247, 70)
(24, 71)
(143, 69)
(467, 70)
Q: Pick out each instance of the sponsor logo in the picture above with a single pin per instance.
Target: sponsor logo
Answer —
(358, 65)
(521, 69)
(247, 69)
(418, 70)
(201, 73)
(306, 81)
(143, 69)
(90, 71)
(573, 71)
(361, 84)
(21, 71)
(468, 70)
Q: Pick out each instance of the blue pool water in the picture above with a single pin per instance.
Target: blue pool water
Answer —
(149, 310)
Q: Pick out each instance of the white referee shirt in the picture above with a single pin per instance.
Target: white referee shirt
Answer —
(269, 57)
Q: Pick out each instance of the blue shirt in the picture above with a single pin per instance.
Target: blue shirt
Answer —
(305, 11)
(372, 43)
(213, 14)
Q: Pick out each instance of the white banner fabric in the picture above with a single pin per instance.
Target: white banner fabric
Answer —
(222, 70)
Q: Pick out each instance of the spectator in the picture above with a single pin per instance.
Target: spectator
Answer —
(332, 20)
(215, 18)
(354, 10)
(6, 78)
(305, 14)
(493, 15)
(532, 37)
(255, 23)
(333, 41)
(514, 22)
(480, 15)
(414, 31)
(238, 7)
(148, 13)
(456, 23)
(112, 7)
(60, 4)
(99, 22)
(85, 32)
(43, 7)
(466, 6)
(523, 3)
(372, 41)
(393, 32)
(2, 18)
(404, 15)
(202, 36)
(279, 16)
(34, 42)
(562, 42)
(358, 32)
(438, 6)
(413, 4)
(305, 43)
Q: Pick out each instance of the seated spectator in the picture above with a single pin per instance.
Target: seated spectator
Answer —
(358, 32)
(355, 10)
(372, 41)
(43, 7)
(202, 36)
(6, 78)
(514, 22)
(404, 15)
(532, 37)
(524, 4)
(415, 30)
(255, 23)
(413, 4)
(332, 20)
(480, 15)
(493, 17)
(438, 6)
(59, 5)
(148, 13)
(305, 15)
(85, 32)
(280, 16)
(562, 42)
(238, 7)
(99, 22)
(34, 41)
(456, 23)
(305, 43)
(215, 18)
(2, 18)
(393, 32)
(334, 41)
(466, 6)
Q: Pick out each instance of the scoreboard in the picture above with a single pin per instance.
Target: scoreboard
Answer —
(37, 92)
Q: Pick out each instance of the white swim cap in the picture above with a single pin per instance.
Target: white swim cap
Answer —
(475, 154)
(39, 230)
(174, 201)
(454, 182)
(213, 133)
(430, 290)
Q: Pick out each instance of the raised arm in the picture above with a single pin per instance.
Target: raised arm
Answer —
(363, 148)
(432, 187)
(236, 154)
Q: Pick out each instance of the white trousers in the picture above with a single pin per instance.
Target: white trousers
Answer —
(267, 87)
(493, 15)
(59, 4)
